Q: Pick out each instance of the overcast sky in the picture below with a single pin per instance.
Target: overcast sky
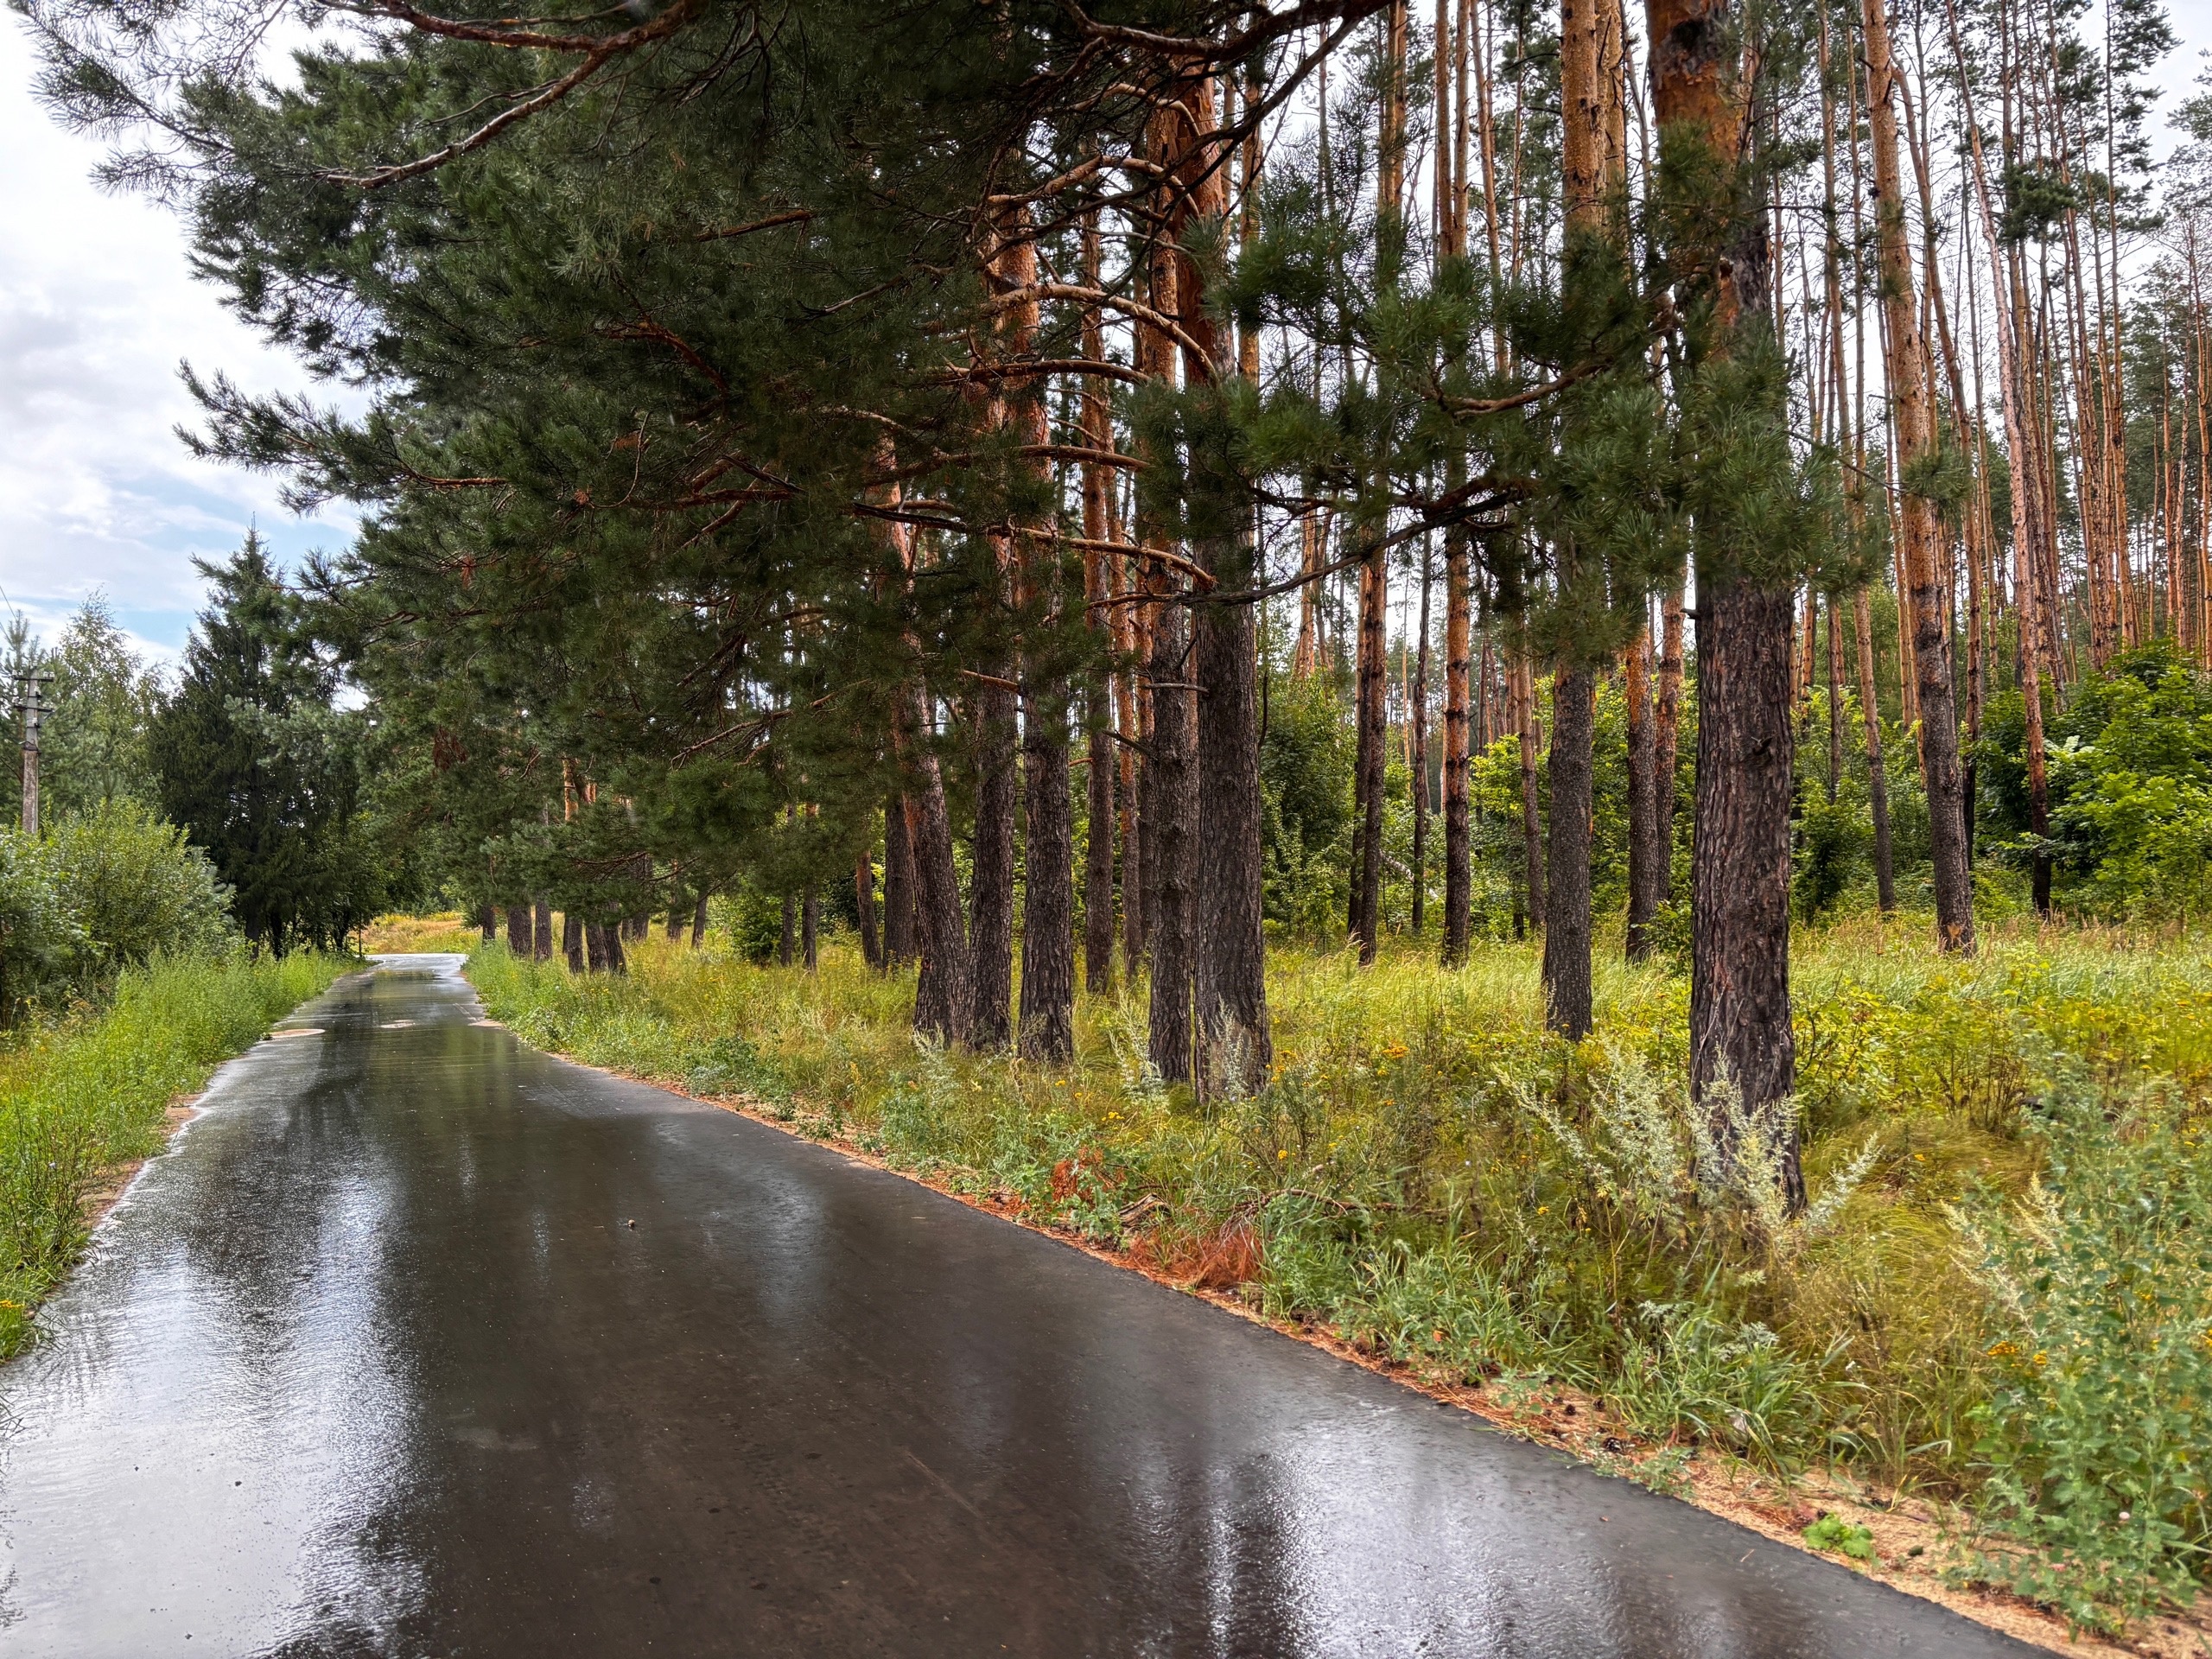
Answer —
(97, 310)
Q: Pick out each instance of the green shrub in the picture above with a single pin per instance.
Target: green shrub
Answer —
(2098, 1435)
(136, 886)
(40, 942)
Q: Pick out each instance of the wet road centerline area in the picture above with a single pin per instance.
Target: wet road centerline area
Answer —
(374, 1361)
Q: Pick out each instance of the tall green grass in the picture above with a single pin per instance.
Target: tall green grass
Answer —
(1430, 1173)
(87, 1092)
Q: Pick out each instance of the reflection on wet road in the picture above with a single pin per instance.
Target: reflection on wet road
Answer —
(376, 1362)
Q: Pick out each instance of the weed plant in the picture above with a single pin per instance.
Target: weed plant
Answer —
(2000, 1291)
(88, 1091)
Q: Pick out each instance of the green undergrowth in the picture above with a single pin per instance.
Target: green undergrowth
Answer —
(83, 1093)
(2000, 1291)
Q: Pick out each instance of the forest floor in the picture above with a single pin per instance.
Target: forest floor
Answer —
(1947, 1372)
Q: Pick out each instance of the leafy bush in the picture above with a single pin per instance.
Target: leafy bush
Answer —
(136, 886)
(2131, 785)
(40, 941)
(2098, 1436)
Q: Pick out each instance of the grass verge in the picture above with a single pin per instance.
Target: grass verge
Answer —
(85, 1094)
(2003, 1156)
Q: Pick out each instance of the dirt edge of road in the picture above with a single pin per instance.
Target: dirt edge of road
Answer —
(1914, 1539)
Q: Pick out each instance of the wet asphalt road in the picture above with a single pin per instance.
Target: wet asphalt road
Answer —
(372, 1363)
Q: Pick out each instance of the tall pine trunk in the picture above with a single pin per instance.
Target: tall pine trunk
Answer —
(1877, 781)
(1458, 843)
(1667, 725)
(520, 938)
(1097, 590)
(1532, 816)
(1566, 923)
(1643, 854)
(1739, 966)
(1228, 944)
(1168, 766)
(864, 906)
(901, 943)
(1912, 400)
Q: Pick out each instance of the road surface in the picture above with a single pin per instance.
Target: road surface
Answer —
(421, 1343)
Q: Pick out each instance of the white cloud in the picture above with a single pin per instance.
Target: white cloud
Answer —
(97, 310)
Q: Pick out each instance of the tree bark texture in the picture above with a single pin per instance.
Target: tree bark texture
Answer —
(541, 933)
(1532, 817)
(521, 937)
(1912, 400)
(1739, 974)
(1417, 717)
(1459, 846)
(1372, 753)
(1877, 778)
(1567, 924)
(1644, 851)
(1097, 585)
(1228, 945)
(572, 941)
(864, 906)
(809, 929)
(1173, 855)
(900, 942)
(699, 921)
(1048, 891)
(1740, 967)
(1666, 723)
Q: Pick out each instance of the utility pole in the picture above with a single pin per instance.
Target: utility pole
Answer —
(31, 704)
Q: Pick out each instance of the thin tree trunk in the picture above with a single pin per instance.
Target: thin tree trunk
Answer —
(572, 941)
(1642, 797)
(1667, 725)
(1169, 766)
(1532, 817)
(864, 905)
(811, 929)
(1877, 781)
(541, 933)
(1912, 400)
(1566, 921)
(901, 944)
(1458, 844)
(1417, 734)
(1047, 1010)
(699, 920)
(1097, 586)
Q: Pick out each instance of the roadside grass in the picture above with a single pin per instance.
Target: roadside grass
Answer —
(447, 931)
(85, 1092)
(2001, 1292)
